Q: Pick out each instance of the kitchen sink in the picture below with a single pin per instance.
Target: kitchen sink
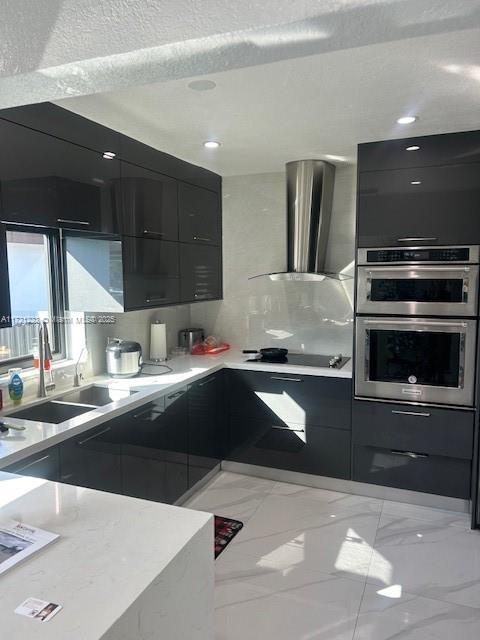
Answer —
(51, 411)
(71, 404)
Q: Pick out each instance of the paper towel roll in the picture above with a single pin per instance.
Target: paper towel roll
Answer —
(158, 341)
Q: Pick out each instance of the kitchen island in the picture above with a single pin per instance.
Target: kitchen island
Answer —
(122, 568)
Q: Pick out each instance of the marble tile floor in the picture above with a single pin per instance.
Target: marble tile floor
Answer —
(311, 564)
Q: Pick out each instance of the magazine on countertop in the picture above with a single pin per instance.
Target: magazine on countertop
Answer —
(19, 540)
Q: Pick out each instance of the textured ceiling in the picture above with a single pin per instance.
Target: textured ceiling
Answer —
(314, 106)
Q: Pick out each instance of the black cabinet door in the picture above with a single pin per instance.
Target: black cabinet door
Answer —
(45, 464)
(151, 273)
(293, 447)
(93, 459)
(51, 182)
(149, 204)
(5, 307)
(206, 428)
(198, 215)
(423, 151)
(201, 273)
(427, 205)
(290, 398)
(154, 449)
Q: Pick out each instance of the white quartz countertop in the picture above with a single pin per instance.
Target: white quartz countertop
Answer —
(110, 550)
(37, 436)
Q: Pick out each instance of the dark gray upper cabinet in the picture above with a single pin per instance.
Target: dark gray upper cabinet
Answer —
(149, 204)
(151, 273)
(201, 272)
(50, 182)
(5, 308)
(426, 205)
(449, 148)
(199, 215)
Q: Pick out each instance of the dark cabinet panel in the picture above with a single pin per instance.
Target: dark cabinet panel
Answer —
(5, 308)
(416, 471)
(149, 204)
(201, 273)
(45, 464)
(142, 155)
(93, 459)
(154, 449)
(151, 273)
(441, 432)
(199, 215)
(206, 426)
(284, 398)
(50, 182)
(449, 148)
(438, 204)
(294, 447)
(62, 123)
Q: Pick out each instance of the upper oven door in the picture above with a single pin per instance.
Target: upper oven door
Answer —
(416, 360)
(418, 290)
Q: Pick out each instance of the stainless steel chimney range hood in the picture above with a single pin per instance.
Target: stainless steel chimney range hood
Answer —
(309, 209)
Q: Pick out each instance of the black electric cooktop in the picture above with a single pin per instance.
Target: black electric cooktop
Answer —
(306, 360)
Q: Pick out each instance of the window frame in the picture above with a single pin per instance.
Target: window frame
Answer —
(56, 328)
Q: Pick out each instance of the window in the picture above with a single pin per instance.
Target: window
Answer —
(35, 293)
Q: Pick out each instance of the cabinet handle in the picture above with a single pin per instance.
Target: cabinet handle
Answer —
(408, 454)
(156, 298)
(419, 239)
(284, 428)
(30, 464)
(202, 239)
(285, 378)
(423, 414)
(203, 384)
(177, 394)
(67, 221)
(154, 233)
(95, 435)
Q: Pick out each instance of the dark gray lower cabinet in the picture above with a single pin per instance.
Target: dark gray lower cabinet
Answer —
(93, 459)
(206, 426)
(315, 450)
(408, 470)
(155, 449)
(45, 464)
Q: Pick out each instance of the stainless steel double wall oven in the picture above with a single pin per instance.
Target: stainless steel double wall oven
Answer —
(416, 326)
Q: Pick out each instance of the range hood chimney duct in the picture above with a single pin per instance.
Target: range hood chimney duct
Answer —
(309, 210)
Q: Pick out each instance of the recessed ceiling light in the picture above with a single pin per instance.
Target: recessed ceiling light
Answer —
(211, 144)
(109, 155)
(202, 85)
(414, 147)
(407, 119)
(416, 182)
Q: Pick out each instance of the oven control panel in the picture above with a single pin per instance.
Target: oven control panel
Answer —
(401, 255)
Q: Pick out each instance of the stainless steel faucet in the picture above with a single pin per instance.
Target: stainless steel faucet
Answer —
(78, 376)
(44, 353)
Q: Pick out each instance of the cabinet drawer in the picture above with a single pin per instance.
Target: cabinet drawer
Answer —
(441, 432)
(420, 472)
(300, 399)
(292, 447)
(45, 465)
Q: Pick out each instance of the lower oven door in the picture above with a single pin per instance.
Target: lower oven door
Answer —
(416, 360)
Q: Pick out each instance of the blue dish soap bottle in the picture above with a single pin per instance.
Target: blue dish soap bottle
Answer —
(15, 385)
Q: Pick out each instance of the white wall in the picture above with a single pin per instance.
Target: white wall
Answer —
(314, 317)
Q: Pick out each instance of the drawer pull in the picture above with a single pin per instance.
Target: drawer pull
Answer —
(285, 428)
(153, 233)
(30, 464)
(285, 378)
(203, 384)
(422, 414)
(67, 221)
(409, 454)
(95, 435)
(177, 394)
(416, 239)
(156, 298)
(202, 239)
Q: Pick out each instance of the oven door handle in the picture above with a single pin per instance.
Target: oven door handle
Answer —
(414, 323)
(416, 268)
